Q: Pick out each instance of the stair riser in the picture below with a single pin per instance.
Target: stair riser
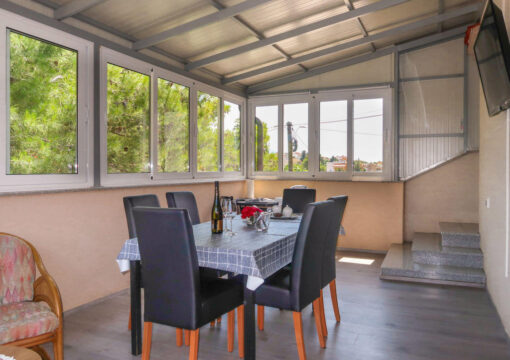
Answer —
(461, 240)
(470, 261)
(416, 274)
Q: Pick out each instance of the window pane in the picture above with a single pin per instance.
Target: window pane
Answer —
(128, 125)
(333, 136)
(208, 132)
(173, 127)
(231, 136)
(295, 137)
(368, 135)
(266, 138)
(43, 107)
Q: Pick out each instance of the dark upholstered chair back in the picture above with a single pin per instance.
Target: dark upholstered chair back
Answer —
(130, 202)
(328, 259)
(170, 266)
(308, 251)
(297, 199)
(184, 200)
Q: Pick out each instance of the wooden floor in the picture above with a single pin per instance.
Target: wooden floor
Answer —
(380, 320)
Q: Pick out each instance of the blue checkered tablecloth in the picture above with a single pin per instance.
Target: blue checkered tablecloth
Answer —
(248, 252)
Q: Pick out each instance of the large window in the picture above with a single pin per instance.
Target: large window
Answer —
(158, 126)
(45, 132)
(232, 136)
(330, 135)
(173, 127)
(368, 135)
(208, 132)
(295, 138)
(266, 138)
(333, 136)
(128, 125)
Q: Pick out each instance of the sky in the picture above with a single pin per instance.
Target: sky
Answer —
(368, 127)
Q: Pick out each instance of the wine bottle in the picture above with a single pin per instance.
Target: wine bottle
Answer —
(217, 212)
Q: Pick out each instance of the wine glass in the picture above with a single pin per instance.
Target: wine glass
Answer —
(228, 207)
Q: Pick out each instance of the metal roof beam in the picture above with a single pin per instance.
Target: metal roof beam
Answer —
(197, 23)
(74, 7)
(427, 40)
(343, 46)
(361, 26)
(254, 31)
(383, 4)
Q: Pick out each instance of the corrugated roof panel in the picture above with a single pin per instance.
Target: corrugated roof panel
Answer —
(342, 55)
(323, 37)
(398, 14)
(210, 38)
(255, 58)
(281, 15)
(272, 75)
(142, 18)
(406, 36)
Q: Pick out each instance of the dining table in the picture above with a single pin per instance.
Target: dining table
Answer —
(254, 254)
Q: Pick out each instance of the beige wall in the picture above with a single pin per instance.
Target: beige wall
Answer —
(374, 216)
(494, 161)
(79, 234)
(446, 193)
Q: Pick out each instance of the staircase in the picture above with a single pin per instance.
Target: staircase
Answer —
(452, 257)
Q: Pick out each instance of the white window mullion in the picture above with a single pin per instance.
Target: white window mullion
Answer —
(193, 130)
(350, 137)
(154, 126)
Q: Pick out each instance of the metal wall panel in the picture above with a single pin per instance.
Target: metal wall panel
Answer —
(432, 111)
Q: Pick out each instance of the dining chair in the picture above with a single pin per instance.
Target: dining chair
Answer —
(130, 202)
(297, 287)
(328, 259)
(186, 200)
(175, 293)
(297, 199)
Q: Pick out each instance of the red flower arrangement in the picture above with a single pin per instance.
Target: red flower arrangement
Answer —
(249, 211)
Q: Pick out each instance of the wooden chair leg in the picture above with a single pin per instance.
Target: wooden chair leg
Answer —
(323, 316)
(218, 321)
(58, 346)
(260, 317)
(178, 336)
(147, 340)
(193, 349)
(231, 324)
(213, 323)
(129, 321)
(334, 299)
(316, 307)
(298, 330)
(186, 337)
(240, 330)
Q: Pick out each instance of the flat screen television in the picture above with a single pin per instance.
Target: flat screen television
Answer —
(492, 51)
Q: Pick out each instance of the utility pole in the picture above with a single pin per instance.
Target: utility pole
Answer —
(289, 145)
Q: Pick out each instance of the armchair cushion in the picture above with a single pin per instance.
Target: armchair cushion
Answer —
(24, 320)
(17, 271)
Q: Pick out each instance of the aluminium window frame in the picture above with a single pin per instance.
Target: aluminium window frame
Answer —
(154, 177)
(85, 127)
(349, 95)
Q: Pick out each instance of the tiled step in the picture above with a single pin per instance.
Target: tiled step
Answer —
(460, 235)
(427, 249)
(399, 265)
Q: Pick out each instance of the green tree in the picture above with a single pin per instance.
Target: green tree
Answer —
(43, 107)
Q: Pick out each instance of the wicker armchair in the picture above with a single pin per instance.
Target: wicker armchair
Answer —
(30, 311)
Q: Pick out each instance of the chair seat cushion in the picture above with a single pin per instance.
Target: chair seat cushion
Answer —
(24, 320)
(219, 296)
(275, 291)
